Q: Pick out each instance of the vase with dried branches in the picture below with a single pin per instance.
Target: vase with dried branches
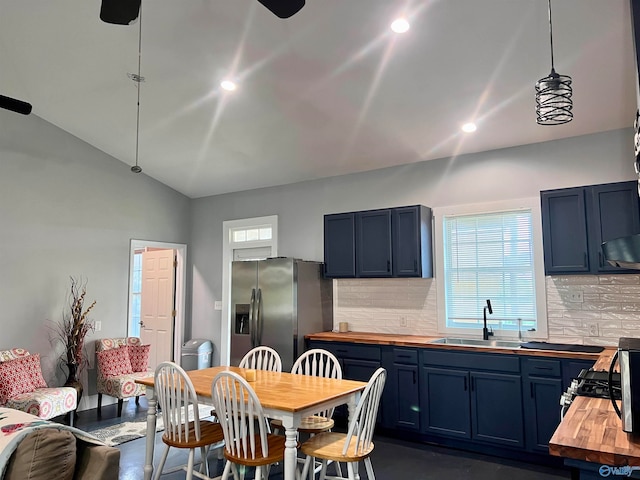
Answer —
(73, 329)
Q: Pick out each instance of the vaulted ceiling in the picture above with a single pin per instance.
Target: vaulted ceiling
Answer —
(330, 91)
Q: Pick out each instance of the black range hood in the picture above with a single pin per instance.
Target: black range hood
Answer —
(623, 252)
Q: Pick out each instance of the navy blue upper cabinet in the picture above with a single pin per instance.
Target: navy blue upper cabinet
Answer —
(393, 242)
(412, 242)
(339, 245)
(564, 231)
(373, 243)
(575, 222)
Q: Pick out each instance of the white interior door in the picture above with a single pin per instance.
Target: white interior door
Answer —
(157, 304)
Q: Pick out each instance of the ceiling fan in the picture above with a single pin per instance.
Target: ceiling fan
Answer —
(123, 12)
(15, 105)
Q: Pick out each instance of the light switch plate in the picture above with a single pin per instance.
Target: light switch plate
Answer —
(217, 305)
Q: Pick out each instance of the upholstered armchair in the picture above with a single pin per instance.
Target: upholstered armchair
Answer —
(22, 387)
(119, 362)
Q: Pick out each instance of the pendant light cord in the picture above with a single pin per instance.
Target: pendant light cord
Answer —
(139, 80)
(551, 36)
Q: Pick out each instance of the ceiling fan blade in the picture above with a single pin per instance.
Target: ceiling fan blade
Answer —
(119, 12)
(14, 105)
(283, 8)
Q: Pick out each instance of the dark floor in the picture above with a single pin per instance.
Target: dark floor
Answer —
(392, 459)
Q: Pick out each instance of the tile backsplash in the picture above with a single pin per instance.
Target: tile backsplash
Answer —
(583, 309)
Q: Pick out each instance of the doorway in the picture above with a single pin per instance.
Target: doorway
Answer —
(175, 337)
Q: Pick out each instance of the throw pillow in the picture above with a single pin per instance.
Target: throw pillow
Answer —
(139, 357)
(114, 362)
(32, 365)
(14, 379)
(44, 454)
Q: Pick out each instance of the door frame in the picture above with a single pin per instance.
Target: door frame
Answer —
(181, 289)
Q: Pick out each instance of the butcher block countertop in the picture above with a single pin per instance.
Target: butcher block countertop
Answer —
(425, 342)
(591, 430)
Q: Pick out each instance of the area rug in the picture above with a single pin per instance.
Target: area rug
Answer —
(127, 431)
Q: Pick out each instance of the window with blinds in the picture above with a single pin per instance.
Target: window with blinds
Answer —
(490, 256)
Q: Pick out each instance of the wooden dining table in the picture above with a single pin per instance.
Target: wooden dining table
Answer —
(284, 396)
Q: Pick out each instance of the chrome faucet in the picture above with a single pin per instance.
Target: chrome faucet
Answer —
(485, 331)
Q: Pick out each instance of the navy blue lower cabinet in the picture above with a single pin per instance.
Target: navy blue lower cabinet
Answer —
(542, 411)
(401, 397)
(496, 408)
(407, 396)
(446, 402)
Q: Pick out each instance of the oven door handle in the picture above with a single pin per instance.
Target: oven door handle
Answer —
(611, 395)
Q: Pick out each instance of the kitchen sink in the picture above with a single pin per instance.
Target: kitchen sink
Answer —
(476, 342)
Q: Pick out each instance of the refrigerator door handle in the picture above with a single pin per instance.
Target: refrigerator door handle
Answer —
(259, 317)
(252, 323)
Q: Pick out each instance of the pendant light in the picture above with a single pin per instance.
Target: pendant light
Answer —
(138, 78)
(553, 93)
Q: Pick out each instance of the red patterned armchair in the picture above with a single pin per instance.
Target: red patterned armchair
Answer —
(119, 362)
(22, 387)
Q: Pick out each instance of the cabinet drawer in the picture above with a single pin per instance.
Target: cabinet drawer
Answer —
(473, 361)
(405, 355)
(345, 350)
(542, 367)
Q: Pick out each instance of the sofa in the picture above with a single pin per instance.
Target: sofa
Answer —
(22, 387)
(119, 363)
(36, 449)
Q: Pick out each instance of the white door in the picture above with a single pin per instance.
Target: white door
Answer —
(157, 304)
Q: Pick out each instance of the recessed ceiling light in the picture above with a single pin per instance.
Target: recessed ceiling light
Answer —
(469, 127)
(228, 85)
(400, 25)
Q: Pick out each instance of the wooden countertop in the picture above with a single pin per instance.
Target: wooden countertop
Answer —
(425, 342)
(591, 430)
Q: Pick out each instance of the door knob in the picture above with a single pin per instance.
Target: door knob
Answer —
(141, 323)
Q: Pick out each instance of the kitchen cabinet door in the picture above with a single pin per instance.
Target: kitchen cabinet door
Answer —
(496, 408)
(542, 408)
(564, 231)
(411, 228)
(373, 243)
(614, 212)
(339, 246)
(406, 396)
(445, 402)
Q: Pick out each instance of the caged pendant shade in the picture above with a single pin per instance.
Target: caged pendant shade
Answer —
(553, 93)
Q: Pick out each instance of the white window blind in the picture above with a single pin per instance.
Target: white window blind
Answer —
(490, 256)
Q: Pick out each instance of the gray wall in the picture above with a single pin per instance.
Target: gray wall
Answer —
(497, 175)
(69, 209)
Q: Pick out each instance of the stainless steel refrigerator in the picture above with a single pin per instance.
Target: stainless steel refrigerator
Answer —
(276, 302)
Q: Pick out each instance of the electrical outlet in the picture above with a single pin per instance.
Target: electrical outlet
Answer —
(576, 296)
(98, 325)
(593, 329)
(403, 321)
(217, 305)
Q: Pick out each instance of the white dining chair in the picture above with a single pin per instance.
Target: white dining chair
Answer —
(176, 397)
(354, 446)
(262, 358)
(318, 363)
(248, 441)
